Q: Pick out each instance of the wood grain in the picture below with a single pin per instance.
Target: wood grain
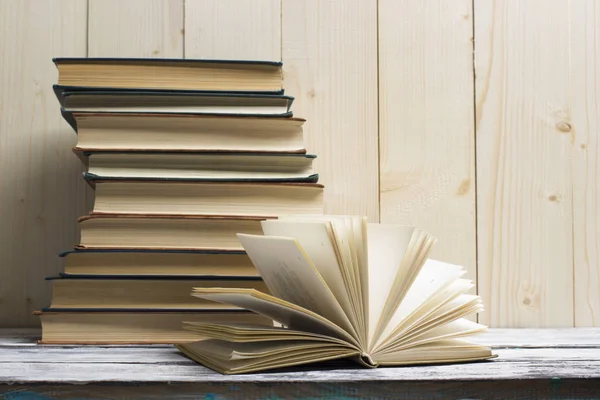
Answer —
(426, 141)
(41, 190)
(511, 364)
(136, 28)
(329, 53)
(496, 338)
(531, 363)
(233, 29)
(584, 127)
(524, 191)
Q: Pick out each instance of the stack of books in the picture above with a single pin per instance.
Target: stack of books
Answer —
(183, 155)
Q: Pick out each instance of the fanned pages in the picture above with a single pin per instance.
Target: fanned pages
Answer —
(342, 288)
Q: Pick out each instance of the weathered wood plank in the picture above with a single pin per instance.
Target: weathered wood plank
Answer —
(134, 372)
(99, 355)
(567, 337)
(495, 337)
(170, 355)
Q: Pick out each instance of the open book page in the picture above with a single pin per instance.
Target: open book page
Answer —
(317, 241)
(228, 358)
(386, 247)
(442, 351)
(459, 307)
(452, 330)
(286, 313)
(346, 233)
(291, 276)
(359, 226)
(415, 256)
(433, 277)
(243, 333)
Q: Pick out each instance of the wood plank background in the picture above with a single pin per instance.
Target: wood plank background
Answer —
(476, 120)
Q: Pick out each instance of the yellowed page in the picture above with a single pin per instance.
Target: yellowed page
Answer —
(437, 301)
(291, 276)
(242, 333)
(451, 330)
(288, 314)
(386, 247)
(341, 231)
(317, 243)
(442, 351)
(433, 276)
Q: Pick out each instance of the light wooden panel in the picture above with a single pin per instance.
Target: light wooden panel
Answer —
(426, 142)
(136, 28)
(524, 194)
(329, 54)
(585, 131)
(233, 29)
(41, 190)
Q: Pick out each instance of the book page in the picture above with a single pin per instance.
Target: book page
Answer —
(442, 351)
(288, 273)
(452, 330)
(288, 314)
(433, 276)
(315, 240)
(251, 357)
(443, 296)
(416, 254)
(386, 247)
(347, 244)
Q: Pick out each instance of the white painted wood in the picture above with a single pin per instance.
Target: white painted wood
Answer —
(534, 365)
(524, 196)
(233, 29)
(136, 28)
(495, 337)
(329, 53)
(41, 190)
(522, 338)
(93, 354)
(585, 130)
(426, 141)
(559, 353)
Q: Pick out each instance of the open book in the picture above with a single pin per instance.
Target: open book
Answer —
(342, 288)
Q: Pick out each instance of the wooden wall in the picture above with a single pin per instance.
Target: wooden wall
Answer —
(477, 120)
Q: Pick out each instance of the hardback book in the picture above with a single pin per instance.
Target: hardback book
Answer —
(181, 232)
(251, 167)
(259, 199)
(97, 327)
(186, 132)
(171, 74)
(342, 288)
(110, 292)
(171, 101)
(148, 262)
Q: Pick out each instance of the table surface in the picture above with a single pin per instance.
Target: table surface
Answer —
(547, 362)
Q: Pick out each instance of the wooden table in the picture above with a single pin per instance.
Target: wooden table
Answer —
(549, 363)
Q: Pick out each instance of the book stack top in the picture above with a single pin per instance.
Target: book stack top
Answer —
(182, 155)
